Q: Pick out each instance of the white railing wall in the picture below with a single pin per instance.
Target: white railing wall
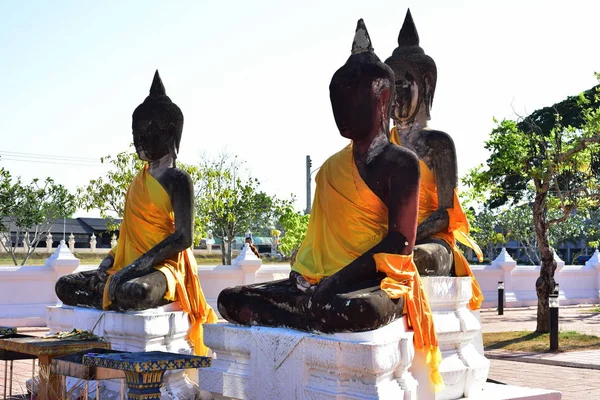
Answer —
(578, 284)
(26, 291)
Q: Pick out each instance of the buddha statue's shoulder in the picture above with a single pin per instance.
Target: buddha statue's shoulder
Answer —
(176, 179)
(436, 140)
(399, 156)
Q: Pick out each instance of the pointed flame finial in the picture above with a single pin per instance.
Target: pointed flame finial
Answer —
(408, 34)
(362, 41)
(157, 88)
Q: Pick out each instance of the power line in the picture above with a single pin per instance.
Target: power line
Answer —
(45, 156)
(65, 162)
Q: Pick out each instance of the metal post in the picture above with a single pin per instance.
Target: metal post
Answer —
(500, 298)
(11, 379)
(553, 302)
(308, 188)
(5, 376)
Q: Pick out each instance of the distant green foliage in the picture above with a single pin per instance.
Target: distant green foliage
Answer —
(294, 226)
(230, 205)
(30, 210)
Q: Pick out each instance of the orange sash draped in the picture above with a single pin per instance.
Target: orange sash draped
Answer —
(458, 227)
(148, 219)
(347, 220)
(403, 280)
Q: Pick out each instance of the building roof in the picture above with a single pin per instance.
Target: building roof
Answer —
(76, 226)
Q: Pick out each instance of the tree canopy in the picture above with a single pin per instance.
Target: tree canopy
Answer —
(548, 161)
(229, 204)
(29, 211)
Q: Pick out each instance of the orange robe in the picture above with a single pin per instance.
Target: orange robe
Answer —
(347, 220)
(149, 219)
(458, 227)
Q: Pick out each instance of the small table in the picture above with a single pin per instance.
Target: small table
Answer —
(72, 365)
(45, 350)
(144, 371)
(12, 356)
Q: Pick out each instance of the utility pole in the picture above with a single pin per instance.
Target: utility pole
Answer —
(308, 194)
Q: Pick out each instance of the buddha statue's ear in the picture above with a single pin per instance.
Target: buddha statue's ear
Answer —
(429, 90)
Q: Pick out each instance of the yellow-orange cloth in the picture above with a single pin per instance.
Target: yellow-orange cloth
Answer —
(346, 219)
(458, 227)
(148, 219)
(403, 280)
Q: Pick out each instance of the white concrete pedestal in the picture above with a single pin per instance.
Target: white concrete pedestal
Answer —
(463, 367)
(160, 329)
(277, 363)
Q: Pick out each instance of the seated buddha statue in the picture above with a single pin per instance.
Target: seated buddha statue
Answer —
(152, 264)
(441, 219)
(354, 270)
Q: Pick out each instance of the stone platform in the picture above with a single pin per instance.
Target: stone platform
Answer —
(277, 363)
(159, 329)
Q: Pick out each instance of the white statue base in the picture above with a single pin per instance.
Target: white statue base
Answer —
(278, 363)
(159, 329)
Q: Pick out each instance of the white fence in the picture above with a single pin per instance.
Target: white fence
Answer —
(26, 291)
(578, 283)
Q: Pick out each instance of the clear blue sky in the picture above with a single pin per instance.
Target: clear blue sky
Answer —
(253, 76)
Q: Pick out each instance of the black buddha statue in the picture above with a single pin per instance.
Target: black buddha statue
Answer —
(362, 208)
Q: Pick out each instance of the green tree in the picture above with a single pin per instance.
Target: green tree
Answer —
(230, 205)
(294, 225)
(107, 193)
(550, 160)
(29, 211)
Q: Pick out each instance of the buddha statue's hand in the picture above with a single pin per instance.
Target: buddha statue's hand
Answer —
(323, 291)
(97, 281)
(115, 282)
(301, 284)
(105, 265)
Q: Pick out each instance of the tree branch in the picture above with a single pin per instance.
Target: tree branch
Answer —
(566, 212)
(580, 146)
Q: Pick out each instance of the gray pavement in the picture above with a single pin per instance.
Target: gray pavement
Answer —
(576, 374)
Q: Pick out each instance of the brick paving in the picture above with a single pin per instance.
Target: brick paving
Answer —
(573, 383)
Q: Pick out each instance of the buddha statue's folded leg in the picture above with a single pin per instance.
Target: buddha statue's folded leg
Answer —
(359, 308)
(79, 290)
(277, 303)
(142, 293)
(433, 257)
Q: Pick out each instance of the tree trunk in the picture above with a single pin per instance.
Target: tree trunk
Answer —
(544, 285)
(223, 257)
(229, 248)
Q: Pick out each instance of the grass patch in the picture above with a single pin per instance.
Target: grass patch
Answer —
(539, 342)
(591, 310)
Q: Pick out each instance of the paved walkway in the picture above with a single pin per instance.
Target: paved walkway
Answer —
(576, 374)
(571, 318)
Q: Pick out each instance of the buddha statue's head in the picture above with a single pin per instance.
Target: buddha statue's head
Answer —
(361, 90)
(415, 74)
(157, 124)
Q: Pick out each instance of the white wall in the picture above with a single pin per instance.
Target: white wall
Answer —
(578, 283)
(26, 291)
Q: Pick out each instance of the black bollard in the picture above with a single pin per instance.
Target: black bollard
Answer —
(553, 302)
(500, 298)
